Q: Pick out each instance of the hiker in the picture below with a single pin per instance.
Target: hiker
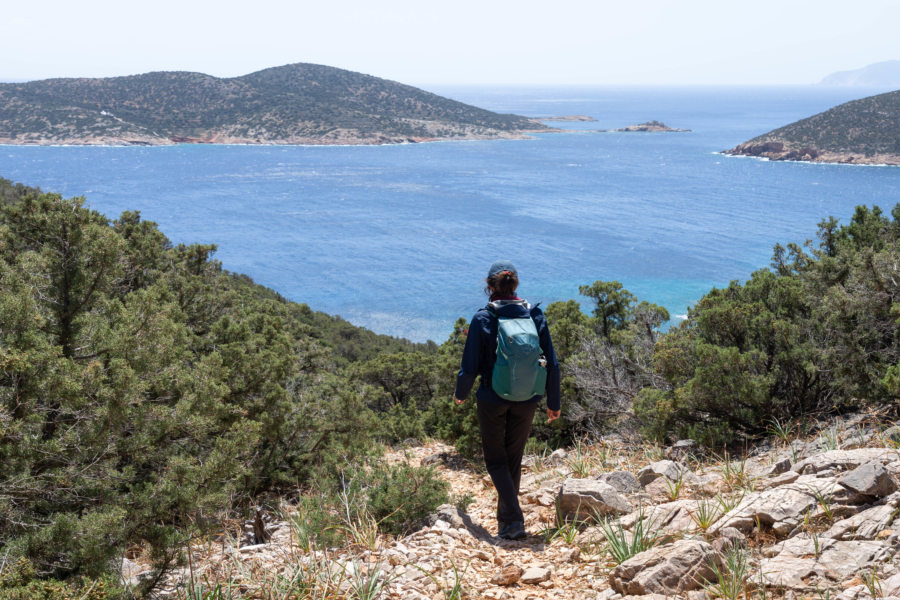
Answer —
(509, 345)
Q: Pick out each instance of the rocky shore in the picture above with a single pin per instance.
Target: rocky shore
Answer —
(333, 138)
(795, 517)
(651, 126)
(778, 150)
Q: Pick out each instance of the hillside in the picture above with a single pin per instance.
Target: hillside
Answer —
(292, 104)
(797, 517)
(865, 131)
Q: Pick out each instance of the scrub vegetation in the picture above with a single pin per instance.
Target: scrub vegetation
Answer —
(147, 394)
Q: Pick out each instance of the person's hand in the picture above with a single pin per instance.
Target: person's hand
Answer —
(458, 400)
(552, 415)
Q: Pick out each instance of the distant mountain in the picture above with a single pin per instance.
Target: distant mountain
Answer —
(865, 131)
(292, 104)
(883, 74)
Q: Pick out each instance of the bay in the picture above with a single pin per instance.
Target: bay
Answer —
(399, 238)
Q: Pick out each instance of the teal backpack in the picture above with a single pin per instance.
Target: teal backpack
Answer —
(520, 371)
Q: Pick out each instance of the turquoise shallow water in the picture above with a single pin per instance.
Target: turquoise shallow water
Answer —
(398, 238)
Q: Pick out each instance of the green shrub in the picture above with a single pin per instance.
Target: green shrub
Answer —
(401, 422)
(815, 334)
(144, 391)
(401, 496)
(18, 581)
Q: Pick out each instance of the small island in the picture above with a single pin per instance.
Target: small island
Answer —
(292, 104)
(651, 126)
(865, 131)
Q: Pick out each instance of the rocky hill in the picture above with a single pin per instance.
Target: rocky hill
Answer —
(865, 131)
(291, 104)
(886, 74)
(813, 516)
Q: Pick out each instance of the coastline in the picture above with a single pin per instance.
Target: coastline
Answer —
(847, 160)
(350, 140)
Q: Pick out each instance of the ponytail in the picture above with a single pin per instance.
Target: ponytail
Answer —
(503, 284)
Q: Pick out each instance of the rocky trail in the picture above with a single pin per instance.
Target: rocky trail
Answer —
(812, 518)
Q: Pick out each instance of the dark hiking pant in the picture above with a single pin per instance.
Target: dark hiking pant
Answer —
(504, 431)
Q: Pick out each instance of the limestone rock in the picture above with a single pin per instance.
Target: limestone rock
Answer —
(681, 450)
(669, 569)
(844, 460)
(797, 565)
(623, 481)
(541, 497)
(557, 457)
(783, 479)
(534, 575)
(448, 513)
(858, 439)
(779, 467)
(659, 490)
(508, 575)
(671, 517)
(581, 499)
(863, 526)
(729, 538)
(782, 508)
(661, 468)
(870, 479)
(891, 585)
(132, 573)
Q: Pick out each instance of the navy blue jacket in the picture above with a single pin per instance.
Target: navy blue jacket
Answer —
(481, 352)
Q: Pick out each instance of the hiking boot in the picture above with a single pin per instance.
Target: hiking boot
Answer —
(513, 531)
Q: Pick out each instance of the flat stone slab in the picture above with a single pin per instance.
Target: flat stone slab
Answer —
(671, 517)
(866, 525)
(844, 460)
(781, 508)
(782, 479)
(797, 565)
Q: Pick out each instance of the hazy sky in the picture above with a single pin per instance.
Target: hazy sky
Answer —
(457, 41)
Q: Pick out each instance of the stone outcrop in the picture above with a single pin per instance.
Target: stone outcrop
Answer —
(585, 499)
(661, 468)
(782, 508)
(802, 562)
(844, 460)
(669, 569)
(869, 479)
(809, 534)
(623, 481)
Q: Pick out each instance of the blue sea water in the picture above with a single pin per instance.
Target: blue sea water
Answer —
(399, 238)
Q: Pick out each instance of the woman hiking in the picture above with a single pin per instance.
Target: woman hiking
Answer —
(509, 346)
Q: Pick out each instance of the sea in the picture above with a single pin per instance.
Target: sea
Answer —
(398, 238)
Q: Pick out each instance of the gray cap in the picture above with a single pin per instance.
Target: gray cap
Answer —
(501, 265)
